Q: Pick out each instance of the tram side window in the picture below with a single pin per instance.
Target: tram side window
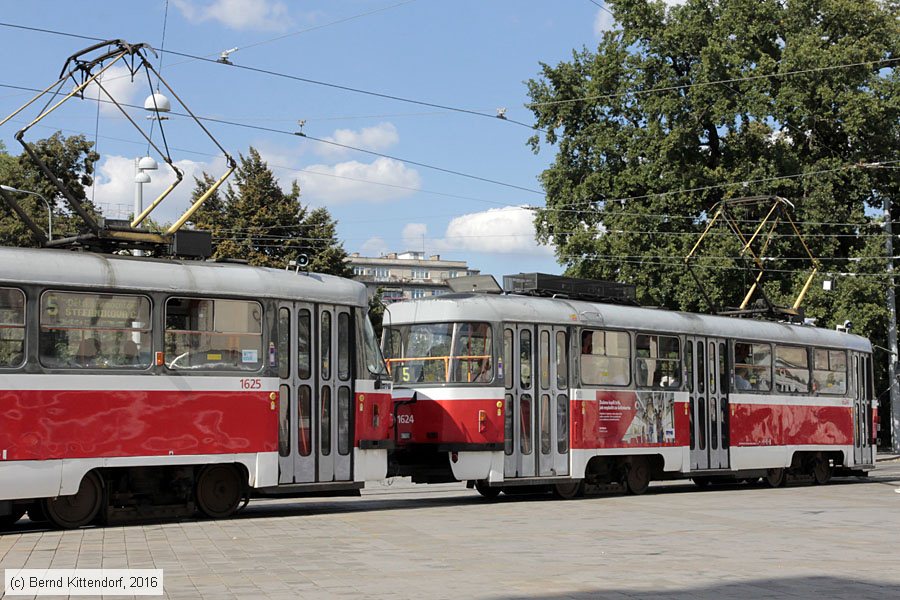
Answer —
(213, 334)
(472, 354)
(752, 367)
(91, 331)
(605, 357)
(791, 369)
(12, 327)
(658, 361)
(829, 371)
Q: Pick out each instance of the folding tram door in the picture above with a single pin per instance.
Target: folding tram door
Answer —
(863, 452)
(708, 373)
(537, 401)
(316, 371)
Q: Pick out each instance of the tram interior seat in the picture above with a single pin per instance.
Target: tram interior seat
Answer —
(88, 352)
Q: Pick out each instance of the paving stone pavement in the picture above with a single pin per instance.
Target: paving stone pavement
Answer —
(404, 541)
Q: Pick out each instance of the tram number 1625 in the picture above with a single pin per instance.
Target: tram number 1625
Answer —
(251, 383)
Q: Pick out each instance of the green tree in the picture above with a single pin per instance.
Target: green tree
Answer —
(255, 220)
(641, 118)
(72, 159)
(376, 311)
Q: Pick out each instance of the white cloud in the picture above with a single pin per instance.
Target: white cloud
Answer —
(115, 187)
(374, 246)
(379, 137)
(413, 233)
(261, 15)
(117, 82)
(507, 230)
(603, 21)
(353, 181)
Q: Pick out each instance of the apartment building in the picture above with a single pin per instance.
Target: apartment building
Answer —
(407, 275)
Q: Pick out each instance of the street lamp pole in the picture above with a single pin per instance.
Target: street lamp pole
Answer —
(892, 328)
(141, 166)
(7, 188)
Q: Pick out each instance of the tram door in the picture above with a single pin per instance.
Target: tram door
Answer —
(708, 403)
(335, 374)
(862, 410)
(537, 401)
(551, 425)
(519, 347)
(310, 340)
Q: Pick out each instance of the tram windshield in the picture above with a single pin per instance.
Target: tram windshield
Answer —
(440, 353)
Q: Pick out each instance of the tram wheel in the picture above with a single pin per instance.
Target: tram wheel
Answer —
(219, 491)
(70, 512)
(482, 487)
(702, 482)
(569, 490)
(637, 479)
(822, 470)
(12, 518)
(775, 478)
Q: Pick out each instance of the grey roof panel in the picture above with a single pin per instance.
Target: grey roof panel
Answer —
(67, 268)
(528, 309)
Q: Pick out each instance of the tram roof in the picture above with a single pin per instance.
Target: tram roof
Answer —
(531, 309)
(21, 266)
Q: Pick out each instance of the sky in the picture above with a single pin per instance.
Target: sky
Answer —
(474, 55)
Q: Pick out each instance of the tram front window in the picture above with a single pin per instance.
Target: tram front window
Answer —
(440, 353)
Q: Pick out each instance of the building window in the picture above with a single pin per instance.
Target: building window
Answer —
(382, 272)
(454, 274)
(416, 294)
(420, 274)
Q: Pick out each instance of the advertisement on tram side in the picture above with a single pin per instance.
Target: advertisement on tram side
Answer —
(623, 419)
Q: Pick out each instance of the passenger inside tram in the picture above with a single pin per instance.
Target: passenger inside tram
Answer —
(741, 379)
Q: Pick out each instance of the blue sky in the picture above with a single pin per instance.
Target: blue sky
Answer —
(468, 54)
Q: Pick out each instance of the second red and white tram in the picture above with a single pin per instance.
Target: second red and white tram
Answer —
(154, 387)
(512, 390)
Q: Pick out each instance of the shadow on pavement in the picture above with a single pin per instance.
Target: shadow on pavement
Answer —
(433, 497)
(791, 588)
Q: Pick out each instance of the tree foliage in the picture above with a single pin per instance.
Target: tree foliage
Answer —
(257, 221)
(72, 159)
(646, 143)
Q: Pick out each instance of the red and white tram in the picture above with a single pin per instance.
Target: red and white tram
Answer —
(154, 387)
(511, 390)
